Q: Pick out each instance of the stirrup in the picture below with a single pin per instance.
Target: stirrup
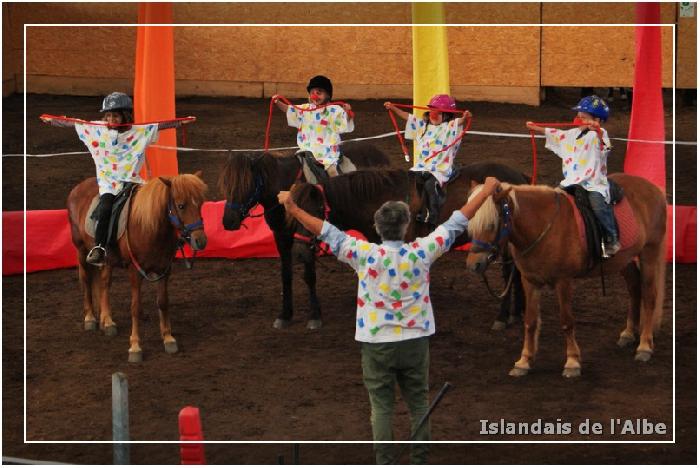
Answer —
(94, 257)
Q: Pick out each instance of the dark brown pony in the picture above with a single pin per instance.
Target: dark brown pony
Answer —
(159, 210)
(543, 238)
(251, 178)
(349, 202)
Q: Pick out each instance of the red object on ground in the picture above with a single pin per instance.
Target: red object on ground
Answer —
(49, 244)
(154, 83)
(191, 430)
(647, 120)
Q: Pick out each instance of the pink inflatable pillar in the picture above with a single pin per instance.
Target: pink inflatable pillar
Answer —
(647, 121)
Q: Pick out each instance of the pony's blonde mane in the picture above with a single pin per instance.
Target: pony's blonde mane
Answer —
(486, 218)
(150, 204)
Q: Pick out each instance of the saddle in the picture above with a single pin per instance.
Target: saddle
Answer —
(314, 171)
(441, 191)
(117, 219)
(590, 231)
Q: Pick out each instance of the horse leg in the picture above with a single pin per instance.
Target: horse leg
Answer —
(86, 275)
(314, 322)
(165, 331)
(653, 271)
(105, 281)
(502, 317)
(135, 352)
(564, 289)
(531, 327)
(518, 298)
(633, 279)
(284, 246)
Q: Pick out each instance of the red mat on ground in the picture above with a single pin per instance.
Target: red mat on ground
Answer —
(49, 243)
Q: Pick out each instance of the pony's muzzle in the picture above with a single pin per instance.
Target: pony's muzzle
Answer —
(477, 262)
(198, 241)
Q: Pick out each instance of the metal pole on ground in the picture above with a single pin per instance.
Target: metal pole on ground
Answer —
(120, 418)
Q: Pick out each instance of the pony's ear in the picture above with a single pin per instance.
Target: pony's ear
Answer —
(167, 182)
(501, 194)
(198, 174)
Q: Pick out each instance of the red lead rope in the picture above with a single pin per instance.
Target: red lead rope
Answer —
(402, 142)
(300, 109)
(533, 181)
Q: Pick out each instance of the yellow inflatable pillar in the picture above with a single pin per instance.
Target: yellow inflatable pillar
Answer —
(431, 68)
(154, 83)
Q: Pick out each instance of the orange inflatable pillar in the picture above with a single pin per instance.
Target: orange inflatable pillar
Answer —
(647, 120)
(154, 84)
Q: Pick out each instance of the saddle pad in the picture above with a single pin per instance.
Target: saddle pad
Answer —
(90, 223)
(627, 226)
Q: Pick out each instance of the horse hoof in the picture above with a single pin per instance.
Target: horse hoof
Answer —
(171, 347)
(625, 340)
(498, 326)
(642, 356)
(281, 323)
(314, 324)
(135, 356)
(90, 325)
(518, 372)
(570, 372)
(111, 330)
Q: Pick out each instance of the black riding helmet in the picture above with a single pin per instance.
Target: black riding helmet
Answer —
(122, 103)
(320, 81)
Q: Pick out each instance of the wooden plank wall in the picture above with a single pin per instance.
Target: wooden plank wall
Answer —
(490, 63)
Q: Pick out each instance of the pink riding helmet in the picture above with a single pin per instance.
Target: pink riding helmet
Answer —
(442, 101)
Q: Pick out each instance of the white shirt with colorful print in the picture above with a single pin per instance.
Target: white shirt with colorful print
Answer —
(429, 139)
(118, 156)
(583, 160)
(319, 130)
(393, 293)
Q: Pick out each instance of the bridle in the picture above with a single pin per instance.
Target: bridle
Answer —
(184, 232)
(252, 200)
(498, 246)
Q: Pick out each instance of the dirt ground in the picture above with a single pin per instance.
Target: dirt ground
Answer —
(254, 383)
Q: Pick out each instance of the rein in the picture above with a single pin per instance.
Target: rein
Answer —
(351, 114)
(311, 240)
(402, 141)
(184, 235)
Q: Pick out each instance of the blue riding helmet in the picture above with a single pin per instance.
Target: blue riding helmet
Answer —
(117, 101)
(595, 106)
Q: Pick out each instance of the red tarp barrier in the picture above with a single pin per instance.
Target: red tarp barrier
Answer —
(49, 243)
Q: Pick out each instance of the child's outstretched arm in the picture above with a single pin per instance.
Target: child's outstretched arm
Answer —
(403, 114)
(534, 127)
(176, 123)
(58, 121)
(282, 106)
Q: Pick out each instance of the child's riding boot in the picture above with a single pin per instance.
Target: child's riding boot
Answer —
(96, 256)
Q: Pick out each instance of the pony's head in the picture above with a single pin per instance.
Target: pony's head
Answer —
(312, 199)
(241, 184)
(489, 228)
(185, 207)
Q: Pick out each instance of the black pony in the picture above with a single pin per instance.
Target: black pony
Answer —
(252, 178)
(349, 202)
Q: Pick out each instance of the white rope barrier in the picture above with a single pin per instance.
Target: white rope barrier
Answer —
(383, 135)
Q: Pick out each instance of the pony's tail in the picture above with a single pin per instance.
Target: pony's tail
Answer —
(660, 283)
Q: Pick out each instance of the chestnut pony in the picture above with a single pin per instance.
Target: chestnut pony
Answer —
(252, 178)
(162, 213)
(540, 228)
(349, 202)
